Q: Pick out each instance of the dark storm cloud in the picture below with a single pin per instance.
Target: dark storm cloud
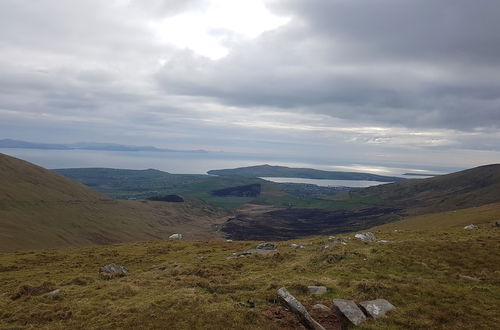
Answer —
(413, 63)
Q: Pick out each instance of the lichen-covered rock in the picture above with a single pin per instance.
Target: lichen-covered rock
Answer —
(349, 311)
(298, 309)
(376, 308)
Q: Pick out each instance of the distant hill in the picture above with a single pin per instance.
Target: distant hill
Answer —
(473, 187)
(42, 209)
(9, 143)
(306, 173)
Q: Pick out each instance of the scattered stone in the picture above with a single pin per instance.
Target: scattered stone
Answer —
(376, 308)
(229, 240)
(334, 242)
(331, 237)
(266, 246)
(321, 308)
(316, 290)
(297, 246)
(349, 311)
(298, 309)
(175, 236)
(469, 278)
(471, 226)
(112, 270)
(53, 292)
(382, 241)
(366, 237)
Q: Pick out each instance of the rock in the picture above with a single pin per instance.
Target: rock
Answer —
(497, 223)
(331, 237)
(53, 292)
(334, 242)
(321, 308)
(175, 236)
(112, 270)
(229, 240)
(349, 311)
(376, 308)
(317, 290)
(382, 241)
(298, 309)
(266, 246)
(297, 246)
(469, 278)
(366, 237)
(471, 226)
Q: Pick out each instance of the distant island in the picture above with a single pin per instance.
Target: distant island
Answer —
(9, 143)
(260, 171)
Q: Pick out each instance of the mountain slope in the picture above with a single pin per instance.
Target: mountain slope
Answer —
(307, 173)
(473, 187)
(41, 209)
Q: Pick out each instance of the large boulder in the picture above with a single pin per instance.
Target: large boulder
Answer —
(376, 308)
(289, 301)
(350, 313)
(366, 237)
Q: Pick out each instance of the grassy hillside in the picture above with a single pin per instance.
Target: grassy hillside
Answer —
(438, 278)
(41, 209)
(308, 173)
(473, 187)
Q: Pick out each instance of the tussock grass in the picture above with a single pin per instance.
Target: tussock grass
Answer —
(181, 284)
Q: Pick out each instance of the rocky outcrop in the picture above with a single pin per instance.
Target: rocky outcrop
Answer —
(112, 270)
(366, 237)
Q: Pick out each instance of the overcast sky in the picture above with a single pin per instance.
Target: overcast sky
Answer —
(359, 82)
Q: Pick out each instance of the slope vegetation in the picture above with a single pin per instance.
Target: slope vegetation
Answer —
(473, 187)
(41, 209)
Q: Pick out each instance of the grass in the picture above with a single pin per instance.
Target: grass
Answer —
(181, 284)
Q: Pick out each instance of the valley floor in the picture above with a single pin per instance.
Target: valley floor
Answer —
(438, 279)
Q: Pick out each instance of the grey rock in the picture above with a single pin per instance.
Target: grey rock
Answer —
(366, 237)
(376, 308)
(471, 226)
(266, 246)
(175, 236)
(113, 269)
(322, 308)
(334, 242)
(349, 311)
(52, 293)
(298, 309)
(297, 246)
(497, 223)
(317, 290)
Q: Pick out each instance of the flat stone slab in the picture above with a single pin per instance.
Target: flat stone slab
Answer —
(349, 311)
(298, 309)
(376, 308)
(317, 290)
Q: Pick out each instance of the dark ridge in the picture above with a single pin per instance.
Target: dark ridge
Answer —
(250, 190)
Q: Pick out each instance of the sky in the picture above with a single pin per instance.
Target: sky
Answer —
(352, 83)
